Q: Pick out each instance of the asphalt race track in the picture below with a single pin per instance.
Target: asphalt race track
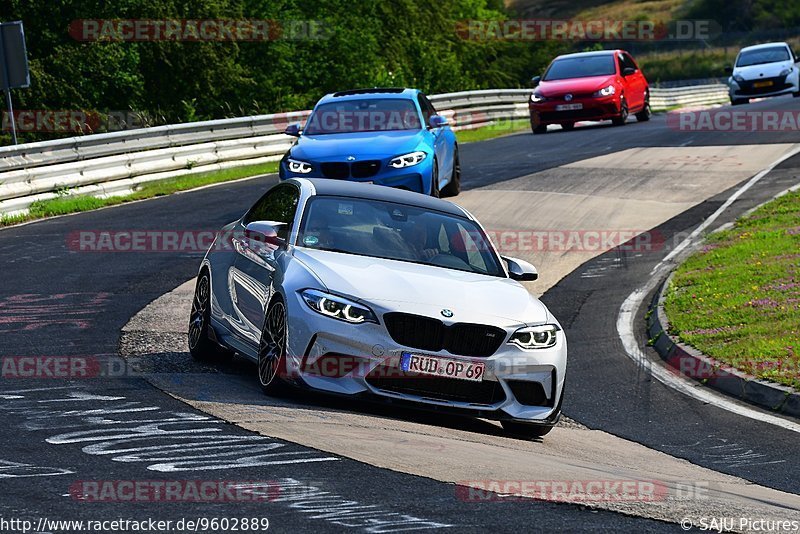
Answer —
(384, 469)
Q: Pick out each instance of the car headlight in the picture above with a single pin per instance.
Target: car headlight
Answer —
(536, 98)
(407, 160)
(300, 167)
(738, 78)
(536, 337)
(338, 307)
(605, 91)
(786, 72)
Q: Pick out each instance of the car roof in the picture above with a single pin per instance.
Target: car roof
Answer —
(763, 45)
(379, 92)
(344, 188)
(589, 54)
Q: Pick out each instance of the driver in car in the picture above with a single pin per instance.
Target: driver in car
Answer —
(417, 239)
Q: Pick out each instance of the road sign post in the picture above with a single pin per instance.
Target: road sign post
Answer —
(14, 72)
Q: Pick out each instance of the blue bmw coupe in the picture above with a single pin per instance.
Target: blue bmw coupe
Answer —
(388, 136)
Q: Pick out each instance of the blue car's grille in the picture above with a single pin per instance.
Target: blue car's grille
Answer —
(365, 169)
(341, 171)
(338, 171)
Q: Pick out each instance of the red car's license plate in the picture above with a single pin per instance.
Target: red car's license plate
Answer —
(442, 367)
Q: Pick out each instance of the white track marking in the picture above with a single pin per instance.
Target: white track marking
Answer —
(627, 316)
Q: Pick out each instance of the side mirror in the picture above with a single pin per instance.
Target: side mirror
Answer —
(729, 70)
(627, 71)
(265, 232)
(293, 129)
(535, 81)
(437, 121)
(521, 270)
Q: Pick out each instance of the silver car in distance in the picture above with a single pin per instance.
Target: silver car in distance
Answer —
(363, 290)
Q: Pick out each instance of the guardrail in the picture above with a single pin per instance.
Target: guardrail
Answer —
(116, 163)
(695, 95)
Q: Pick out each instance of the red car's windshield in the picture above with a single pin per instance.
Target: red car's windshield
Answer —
(580, 67)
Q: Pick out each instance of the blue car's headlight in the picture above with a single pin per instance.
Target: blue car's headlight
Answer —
(300, 167)
(338, 307)
(536, 337)
(407, 160)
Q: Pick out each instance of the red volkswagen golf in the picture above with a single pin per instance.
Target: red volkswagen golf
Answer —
(590, 86)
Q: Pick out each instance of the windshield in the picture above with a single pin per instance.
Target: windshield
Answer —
(365, 115)
(394, 231)
(762, 56)
(580, 67)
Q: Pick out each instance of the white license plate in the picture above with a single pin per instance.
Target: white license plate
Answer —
(442, 367)
(568, 107)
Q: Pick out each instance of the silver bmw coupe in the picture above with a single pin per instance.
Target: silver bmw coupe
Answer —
(362, 290)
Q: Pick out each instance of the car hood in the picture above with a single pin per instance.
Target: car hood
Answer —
(424, 289)
(340, 146)
(575, 85)
(767, 70)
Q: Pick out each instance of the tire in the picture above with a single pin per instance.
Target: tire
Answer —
(525, 430)
(645, 113)
(568, 126)
(796, 95)
(541, 129)
(623, 114)
(453, 187)
(739, 101)
(201, 347)
(435, 179)
(272, 348)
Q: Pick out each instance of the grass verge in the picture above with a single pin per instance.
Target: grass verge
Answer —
(738, 299)
(493, 130)
(66, 203)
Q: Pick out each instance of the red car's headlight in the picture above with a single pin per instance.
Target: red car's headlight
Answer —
(605, 91)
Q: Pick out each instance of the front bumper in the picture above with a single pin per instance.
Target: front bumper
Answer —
(416, 178)
(355, 360)
(592, 109)
(765, 87)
